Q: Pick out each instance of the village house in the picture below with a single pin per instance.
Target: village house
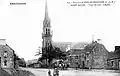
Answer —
(114, 59)
(6, 55)
(93, 55)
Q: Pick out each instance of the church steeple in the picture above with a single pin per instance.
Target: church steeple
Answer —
(46, 22)
(46, 13)
(47, 34)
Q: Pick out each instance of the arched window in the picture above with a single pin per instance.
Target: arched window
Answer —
(46, 31)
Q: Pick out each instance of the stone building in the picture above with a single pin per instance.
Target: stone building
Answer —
(47, 33)
(93, 55)
(114, 59)
(88, 55)
(6, 55)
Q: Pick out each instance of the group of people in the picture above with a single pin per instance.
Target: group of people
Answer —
(55, 72)
(62, 66)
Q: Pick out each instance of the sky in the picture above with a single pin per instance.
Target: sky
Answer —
(21, 25)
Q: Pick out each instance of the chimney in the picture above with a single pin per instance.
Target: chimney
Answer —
(2, 41)
(117, 48)
(99, 41)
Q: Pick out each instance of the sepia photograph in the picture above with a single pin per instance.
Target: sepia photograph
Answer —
(59, 38)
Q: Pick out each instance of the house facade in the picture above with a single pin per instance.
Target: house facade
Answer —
(114, 59)
(6, 55)
(94, 55)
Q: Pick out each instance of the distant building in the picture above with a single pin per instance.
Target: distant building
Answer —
(6, 55)
(114, 59)
(34, 63)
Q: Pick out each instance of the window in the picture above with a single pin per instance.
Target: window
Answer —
(112, 63)
(5, 54)
(87, 62)
(46, 30)
(76, 57)
(11, 58)
(5, 63)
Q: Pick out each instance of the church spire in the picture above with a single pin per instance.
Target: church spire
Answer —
(46, 35)
(46, 12)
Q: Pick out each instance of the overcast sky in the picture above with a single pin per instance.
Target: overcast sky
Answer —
(21, 25)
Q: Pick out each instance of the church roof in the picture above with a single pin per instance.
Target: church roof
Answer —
(79, 45)
(62, 45)
(73, 45)
(76, 51)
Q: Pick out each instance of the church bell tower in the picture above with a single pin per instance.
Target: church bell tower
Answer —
(46, 34)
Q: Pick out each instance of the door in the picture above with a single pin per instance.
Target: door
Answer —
(83, 64)
(0, 61)
(119, 64)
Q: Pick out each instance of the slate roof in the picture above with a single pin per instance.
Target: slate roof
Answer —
(113, 55)
(6, 48)
(88, 48)
(79, 45)
(61, 45)
(73, 45)
(76, 51)
(95, 45)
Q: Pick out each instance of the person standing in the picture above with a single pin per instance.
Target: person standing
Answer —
(55, 72)
(49, 73)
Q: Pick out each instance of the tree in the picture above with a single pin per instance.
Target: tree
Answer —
(39, 52)
(51, 52)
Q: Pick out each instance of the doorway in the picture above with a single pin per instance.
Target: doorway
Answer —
(119, 64)
(83, 64)
(0, 61)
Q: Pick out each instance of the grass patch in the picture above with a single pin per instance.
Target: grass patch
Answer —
(4, 73)
(25, 73)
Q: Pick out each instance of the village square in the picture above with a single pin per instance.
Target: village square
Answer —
(62, 58)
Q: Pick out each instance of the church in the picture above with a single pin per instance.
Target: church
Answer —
(81, 54)
(47, 36)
